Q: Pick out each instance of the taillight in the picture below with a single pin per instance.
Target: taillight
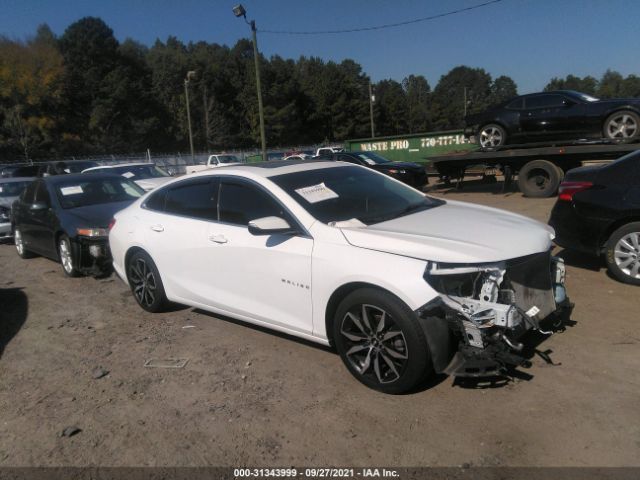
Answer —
(111, 224)
(568, 189)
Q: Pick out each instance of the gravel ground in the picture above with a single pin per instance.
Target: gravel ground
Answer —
(251, 397)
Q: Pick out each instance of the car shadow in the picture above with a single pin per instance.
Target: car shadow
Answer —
(580, 260)
(14, 308)
(531, 342)
(429, 383)
(267, 330)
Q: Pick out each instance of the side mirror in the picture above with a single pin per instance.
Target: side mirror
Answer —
(270, 226)
(39, 206)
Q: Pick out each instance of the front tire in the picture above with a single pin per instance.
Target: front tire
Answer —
(622, 126)
(145, 282)
(622, 253)
(492, 136)
(67, 259)
(380, 341)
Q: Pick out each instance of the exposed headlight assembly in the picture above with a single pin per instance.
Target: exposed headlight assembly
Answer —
(92, 232)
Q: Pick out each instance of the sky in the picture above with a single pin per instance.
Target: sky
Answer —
(529, 40)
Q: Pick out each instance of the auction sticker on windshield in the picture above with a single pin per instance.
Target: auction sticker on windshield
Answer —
(316, 193)
(76, 189)
(128, 175)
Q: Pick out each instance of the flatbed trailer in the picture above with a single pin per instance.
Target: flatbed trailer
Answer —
(540, 168)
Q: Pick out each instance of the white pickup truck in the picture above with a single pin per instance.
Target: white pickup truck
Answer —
(214, 161)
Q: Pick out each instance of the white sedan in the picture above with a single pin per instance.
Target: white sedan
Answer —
(402, 284)
(146, 175)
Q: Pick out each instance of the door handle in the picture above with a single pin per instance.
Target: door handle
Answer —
(157, 228)
(218, 239)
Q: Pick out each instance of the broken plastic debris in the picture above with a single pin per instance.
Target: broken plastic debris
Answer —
(70, 431)
(166, 362)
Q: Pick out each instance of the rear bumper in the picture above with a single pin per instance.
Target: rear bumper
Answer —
(573, 231)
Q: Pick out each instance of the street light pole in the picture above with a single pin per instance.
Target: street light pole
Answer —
(190, 75)
(371, 100)
(239, 11)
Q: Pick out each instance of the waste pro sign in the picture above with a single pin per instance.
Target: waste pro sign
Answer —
(413, 148)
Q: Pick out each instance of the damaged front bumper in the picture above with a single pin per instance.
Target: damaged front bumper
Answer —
(487, 308)
(92, 256)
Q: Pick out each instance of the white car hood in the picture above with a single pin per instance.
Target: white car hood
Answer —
(456, 232)
(151, 183)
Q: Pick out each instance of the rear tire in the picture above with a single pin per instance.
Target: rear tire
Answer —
(539, 178)
(145, 282)
(622, 253)
(19, 243)
(381, 342)
(491, 136)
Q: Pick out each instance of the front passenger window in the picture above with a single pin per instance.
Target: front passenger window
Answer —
(241, 202)
(42, 194)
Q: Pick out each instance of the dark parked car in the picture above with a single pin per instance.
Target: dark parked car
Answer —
(598, 212)
(20, 170)
(554, 116)
(407, 172)
(10, 190)
(66, 218)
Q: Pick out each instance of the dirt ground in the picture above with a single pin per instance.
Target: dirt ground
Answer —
(251, 397)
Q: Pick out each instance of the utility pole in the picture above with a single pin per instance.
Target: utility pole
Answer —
(263, 139)
(465, 101)
(371, 100)
(239, 11)
(190, 75)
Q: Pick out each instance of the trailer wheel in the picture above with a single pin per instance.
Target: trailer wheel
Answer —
(539, 178)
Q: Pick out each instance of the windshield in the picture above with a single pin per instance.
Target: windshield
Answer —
(372, 158)
(94, 191)
(137, 172)
(13, 189)
(585, 97)
(338, 194)
(228, 159)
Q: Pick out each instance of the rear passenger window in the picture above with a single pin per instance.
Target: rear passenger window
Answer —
(192, 199)
(516, 104)
(241, 202)
(544, 101)
(156, 200)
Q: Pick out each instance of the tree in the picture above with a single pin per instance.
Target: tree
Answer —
(586, 84)
(417, 91)
(30, 94)
(503, 88)
(391, 109)
(449, 95)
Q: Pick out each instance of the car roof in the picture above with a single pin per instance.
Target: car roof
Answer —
(274, 167)
(79, 177)
(132, 164)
